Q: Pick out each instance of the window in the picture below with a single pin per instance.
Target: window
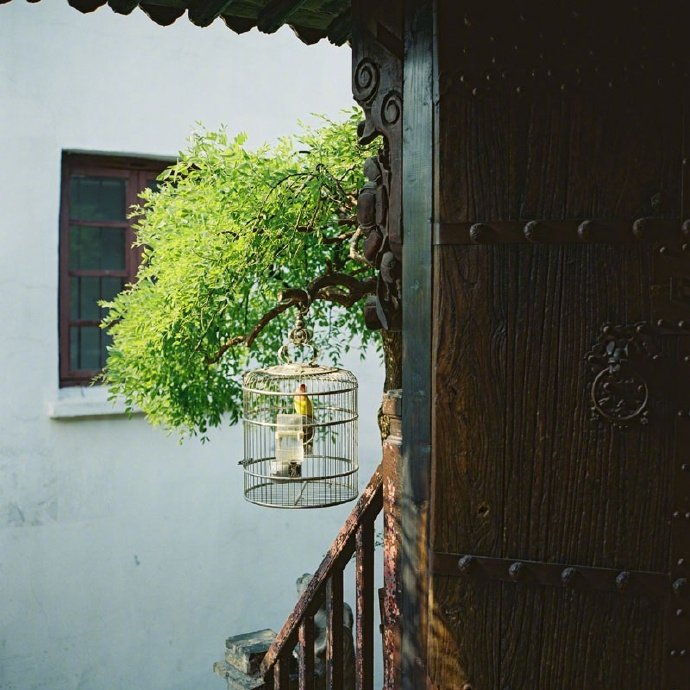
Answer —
(96, 255)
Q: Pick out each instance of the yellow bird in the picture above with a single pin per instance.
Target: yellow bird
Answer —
(303, 406)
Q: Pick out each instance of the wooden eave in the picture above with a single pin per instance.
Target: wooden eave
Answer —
(311, 20)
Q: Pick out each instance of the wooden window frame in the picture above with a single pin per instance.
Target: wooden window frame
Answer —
(137, 172)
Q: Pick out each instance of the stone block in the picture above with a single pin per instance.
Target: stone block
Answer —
(245, 652)
(237, 680)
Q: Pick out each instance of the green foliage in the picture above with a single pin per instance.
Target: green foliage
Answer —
(229, 229)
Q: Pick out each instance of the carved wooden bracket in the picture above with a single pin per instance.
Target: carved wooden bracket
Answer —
(377, 87)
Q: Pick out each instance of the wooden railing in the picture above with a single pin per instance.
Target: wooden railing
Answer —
(356, 536)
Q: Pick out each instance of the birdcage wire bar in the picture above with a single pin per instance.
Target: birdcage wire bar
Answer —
(300, 436)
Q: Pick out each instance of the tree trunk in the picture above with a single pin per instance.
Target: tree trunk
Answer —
(392, 360)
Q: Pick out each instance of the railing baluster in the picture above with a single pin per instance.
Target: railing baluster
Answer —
(334, 638)
(364, 641)
(281, 673)
(306, 654)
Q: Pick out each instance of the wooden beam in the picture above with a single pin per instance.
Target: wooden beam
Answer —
(203, 12)
(275, 14)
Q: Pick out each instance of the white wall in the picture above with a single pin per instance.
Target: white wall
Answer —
(126, 558)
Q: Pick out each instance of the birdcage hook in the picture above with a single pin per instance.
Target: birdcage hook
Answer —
(300, 336)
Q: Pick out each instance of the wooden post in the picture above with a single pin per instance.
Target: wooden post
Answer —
(392, 409)
(418, 213)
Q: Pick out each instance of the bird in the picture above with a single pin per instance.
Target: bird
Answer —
(305, 408)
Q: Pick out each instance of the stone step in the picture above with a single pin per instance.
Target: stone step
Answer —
(245, 652)
(237, 680)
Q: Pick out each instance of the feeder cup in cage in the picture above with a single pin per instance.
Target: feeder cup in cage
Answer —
(289, 446)
(300, 431)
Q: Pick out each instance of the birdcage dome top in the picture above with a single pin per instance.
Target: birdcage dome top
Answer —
(319, 377)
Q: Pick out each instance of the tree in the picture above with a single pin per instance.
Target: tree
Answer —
(233, 240)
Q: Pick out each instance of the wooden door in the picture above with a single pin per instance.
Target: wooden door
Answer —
(560, 502)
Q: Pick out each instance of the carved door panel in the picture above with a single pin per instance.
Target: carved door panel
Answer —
(560, 530)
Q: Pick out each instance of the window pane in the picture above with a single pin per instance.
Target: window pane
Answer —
(87, 291)
(88, 348)
(84, 296)
(110, 287)
(97, 198)
(97, 248)
(85, 348)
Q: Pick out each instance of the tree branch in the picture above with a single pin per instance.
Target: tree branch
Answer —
(339, 288)
(339, 239)
(355, 254)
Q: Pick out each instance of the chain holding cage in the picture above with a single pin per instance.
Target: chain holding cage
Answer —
(300, 431)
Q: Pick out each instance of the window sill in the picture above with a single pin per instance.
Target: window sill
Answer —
(88, 401)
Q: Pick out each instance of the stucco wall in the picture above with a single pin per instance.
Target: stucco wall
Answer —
(126, 558)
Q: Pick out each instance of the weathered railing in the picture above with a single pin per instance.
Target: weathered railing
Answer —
(356, 536)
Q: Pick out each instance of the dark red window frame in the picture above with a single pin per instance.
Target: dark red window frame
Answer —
(137, 174)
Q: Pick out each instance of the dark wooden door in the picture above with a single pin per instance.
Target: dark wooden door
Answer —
(560, 529)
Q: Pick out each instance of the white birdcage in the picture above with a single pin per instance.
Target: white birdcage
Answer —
(300, 432)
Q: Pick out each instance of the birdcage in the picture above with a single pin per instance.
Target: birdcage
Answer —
(300, 431)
